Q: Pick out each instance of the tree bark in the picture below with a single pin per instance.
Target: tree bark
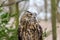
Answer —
(12, 8)
(53, 12)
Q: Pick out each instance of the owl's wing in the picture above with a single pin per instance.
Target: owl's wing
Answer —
(40, 32)
(19, 33)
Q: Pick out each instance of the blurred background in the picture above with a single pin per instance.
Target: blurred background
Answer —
(47, 11)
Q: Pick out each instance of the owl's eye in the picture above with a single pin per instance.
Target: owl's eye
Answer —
(30, 13)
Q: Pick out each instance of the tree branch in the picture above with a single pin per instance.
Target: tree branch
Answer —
(9, 4)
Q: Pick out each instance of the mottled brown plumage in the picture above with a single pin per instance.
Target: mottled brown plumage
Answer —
(29, 28)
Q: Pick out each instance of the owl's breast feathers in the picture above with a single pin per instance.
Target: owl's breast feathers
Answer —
(34, 33)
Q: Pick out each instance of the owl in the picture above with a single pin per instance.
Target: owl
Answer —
(29, 28)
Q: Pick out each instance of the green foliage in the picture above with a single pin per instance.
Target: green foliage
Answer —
(6, 33)
(0, 9)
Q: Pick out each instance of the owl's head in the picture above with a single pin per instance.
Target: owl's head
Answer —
(27, 17)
